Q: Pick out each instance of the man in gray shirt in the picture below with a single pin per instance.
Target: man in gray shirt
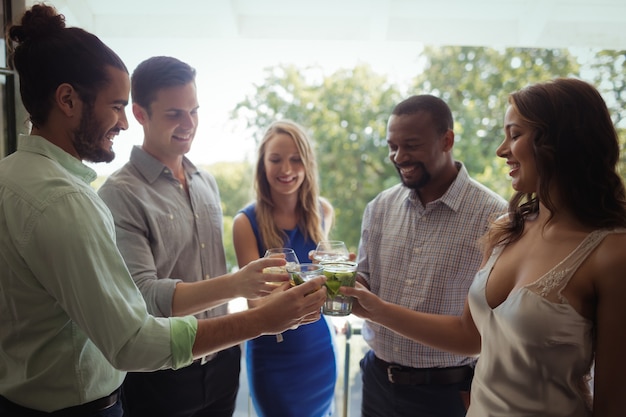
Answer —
(168, 221)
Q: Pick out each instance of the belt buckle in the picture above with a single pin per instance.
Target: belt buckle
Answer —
(207, 358)
(390, 370)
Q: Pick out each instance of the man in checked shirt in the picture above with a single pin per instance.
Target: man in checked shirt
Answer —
(419, 249)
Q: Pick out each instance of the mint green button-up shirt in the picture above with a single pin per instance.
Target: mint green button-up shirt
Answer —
(71, 319)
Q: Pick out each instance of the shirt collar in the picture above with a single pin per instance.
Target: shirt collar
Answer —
(40, 145)
(151, 168)
(454, 194)
(453, 197)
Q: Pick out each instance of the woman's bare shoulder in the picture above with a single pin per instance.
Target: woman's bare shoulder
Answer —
(614, 243)
(241, 222)
(327, 207)
(610, 256)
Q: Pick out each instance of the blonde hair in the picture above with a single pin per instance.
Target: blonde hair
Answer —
(308, 206)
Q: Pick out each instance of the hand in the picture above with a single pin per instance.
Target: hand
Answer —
(366, 304)
(289, 307)
(253, 283)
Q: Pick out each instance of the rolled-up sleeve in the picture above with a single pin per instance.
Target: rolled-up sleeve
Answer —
(82, 269)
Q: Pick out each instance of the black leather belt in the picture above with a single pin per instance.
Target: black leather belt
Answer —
(90, 407)
(404, 375)
(82, 410)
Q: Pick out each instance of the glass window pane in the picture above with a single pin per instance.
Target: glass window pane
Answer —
(3, 58)
(3, 117)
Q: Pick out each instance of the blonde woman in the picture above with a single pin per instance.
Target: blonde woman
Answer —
(293, 375)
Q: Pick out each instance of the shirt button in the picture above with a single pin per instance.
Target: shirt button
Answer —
(207, 276)
(171, 217)
(409, 282)
(197, 217)
(202, 245)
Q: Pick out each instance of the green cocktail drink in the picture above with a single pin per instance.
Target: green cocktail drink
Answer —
(300, 273)
(338, 274)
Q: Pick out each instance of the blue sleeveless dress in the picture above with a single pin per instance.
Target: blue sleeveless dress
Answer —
(297, 376)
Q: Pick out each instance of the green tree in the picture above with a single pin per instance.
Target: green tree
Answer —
(345, 114)
(234, 180)
(608, 73)
(475, 82)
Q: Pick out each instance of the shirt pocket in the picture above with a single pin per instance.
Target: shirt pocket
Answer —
(209, 220)
(171, 225)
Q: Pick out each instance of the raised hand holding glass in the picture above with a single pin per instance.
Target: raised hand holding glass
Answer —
(290, 257)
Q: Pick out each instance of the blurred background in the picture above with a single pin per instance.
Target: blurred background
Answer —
(338, 68)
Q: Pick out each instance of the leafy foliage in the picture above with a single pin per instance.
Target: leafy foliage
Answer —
(235, 184)
(475, 82)
(609, 75)
(345, 114)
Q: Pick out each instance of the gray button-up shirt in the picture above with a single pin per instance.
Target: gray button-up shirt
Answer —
(164, 235)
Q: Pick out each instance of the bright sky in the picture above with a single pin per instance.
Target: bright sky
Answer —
(227, 71)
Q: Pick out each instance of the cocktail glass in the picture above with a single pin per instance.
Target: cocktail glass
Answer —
(290, 257)
(338, 274)
(331, 251)
(292, 261)
(299, 274)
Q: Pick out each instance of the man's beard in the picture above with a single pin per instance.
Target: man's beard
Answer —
(420, 182)
(89, 136)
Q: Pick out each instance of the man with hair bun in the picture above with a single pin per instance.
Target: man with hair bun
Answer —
(72, 321)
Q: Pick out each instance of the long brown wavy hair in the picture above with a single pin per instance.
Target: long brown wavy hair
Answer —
(308, 206)
(576, 149)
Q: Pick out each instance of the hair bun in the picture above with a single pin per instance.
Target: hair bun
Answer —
(39, 22)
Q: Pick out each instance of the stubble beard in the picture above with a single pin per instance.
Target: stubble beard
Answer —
(89, 137)
(420, 182)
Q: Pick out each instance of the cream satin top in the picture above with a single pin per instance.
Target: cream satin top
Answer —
(536, 350)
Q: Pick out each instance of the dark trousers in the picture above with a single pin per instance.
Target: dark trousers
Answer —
(9, 409)
(381, 398)
(208, 390)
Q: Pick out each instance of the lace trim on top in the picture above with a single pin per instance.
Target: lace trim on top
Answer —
(550, 285)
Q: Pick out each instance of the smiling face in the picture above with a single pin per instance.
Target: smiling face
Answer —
(517, 149)
(103, 119)
(284, 168)
(419, 152)
(170, 125)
